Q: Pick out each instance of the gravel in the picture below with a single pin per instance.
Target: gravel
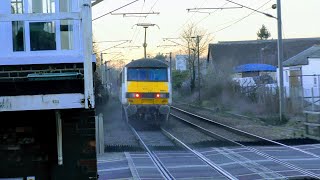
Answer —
(187, 134)
(117, 132)
(253, 126)
(219, 131)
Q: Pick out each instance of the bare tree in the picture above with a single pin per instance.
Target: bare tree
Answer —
(189, 37)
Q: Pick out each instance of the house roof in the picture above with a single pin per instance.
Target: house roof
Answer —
(302, 57)
(235, 53)
(315, 55)
(255, 68)
(141, 63)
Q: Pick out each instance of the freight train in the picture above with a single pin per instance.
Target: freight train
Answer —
(146, 91)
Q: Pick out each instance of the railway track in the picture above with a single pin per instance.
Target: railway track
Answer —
(203, 124)
(155, 159)
(148, 145)
(150, 141)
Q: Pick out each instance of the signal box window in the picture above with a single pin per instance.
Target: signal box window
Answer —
(41, 6)
(16, 6)
(66, 28)
(65, 5)
(42, 36)
(18, 36)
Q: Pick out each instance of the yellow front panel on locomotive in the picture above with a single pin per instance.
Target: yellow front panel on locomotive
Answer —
(148, 87)
(160, 101)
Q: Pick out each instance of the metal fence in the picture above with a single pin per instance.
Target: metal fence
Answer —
(302, 96)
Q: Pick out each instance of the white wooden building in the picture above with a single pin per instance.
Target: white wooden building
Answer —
(46, 32)
(46, 90)
(302, 72)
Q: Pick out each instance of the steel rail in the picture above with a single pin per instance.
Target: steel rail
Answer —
(157, 162)
(199, 155)
(245, 133)
(291, 166)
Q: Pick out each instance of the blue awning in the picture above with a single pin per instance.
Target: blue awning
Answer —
(255, 68)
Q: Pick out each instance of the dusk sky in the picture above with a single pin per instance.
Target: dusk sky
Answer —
(300, 20)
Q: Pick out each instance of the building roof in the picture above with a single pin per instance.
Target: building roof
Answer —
(316, 54)
(255, 68)
(302, 57)
(141, 63)
(235, 53)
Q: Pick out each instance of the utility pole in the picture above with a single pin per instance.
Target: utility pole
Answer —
(146, 26)
(102, 68)
(280, 58)
(189, 54)
(171, 65)
(199, 80)
(145, 42)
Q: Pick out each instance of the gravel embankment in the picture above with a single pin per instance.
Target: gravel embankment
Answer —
(293, 129)
(215, 129)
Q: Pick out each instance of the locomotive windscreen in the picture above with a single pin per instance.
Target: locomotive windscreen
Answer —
(147, 74)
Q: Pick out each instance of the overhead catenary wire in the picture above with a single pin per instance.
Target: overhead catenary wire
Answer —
(115, 10)
(111, 41)
(112, 47)
(256, 10)
(186, 22)
(239, 20)
(213, 8)
(211, 13)
(137, 33)
(144, 16)
(216, 9)
(135, 14)
(234, 22)
(139, 30)
(136, 29)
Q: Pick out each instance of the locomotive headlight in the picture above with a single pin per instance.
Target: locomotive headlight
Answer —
(161, 95)
(133, 95)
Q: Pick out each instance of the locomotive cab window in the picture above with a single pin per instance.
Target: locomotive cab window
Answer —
(148, 74)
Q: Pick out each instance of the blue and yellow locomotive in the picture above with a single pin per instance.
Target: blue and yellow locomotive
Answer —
(146, 92)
